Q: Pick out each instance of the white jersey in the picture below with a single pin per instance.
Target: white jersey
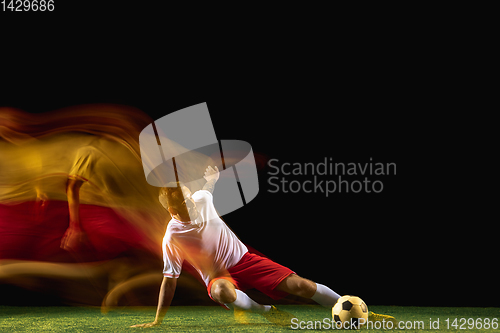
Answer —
(207, 243)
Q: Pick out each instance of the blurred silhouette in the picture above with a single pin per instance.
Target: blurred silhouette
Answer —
(73, 192)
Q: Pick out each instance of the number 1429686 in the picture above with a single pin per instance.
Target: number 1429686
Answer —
(28, 5)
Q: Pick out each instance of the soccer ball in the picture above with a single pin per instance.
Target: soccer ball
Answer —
(350, 312)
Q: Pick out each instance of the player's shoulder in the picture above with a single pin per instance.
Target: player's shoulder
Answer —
(202, 196)
(172, 228)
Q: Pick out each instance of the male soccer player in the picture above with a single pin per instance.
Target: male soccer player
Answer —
(197, 234)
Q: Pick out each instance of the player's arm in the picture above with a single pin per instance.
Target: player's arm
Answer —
(211, 176)
(74, 235)
(165, 297)
(81, 171)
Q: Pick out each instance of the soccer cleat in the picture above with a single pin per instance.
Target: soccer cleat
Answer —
(278, 317)
(372, 316)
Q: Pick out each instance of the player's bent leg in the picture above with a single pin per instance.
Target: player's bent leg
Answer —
(223, 291)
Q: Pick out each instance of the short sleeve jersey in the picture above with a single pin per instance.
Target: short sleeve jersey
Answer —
(85, 161)
(207, 243)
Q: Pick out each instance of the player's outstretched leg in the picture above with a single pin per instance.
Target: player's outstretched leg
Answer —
(321, 294)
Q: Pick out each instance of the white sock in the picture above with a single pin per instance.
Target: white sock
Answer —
(325, 296)
(246, 303)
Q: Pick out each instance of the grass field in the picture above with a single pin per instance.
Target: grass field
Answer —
(215, 318)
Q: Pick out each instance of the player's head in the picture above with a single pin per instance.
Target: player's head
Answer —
(176, 199)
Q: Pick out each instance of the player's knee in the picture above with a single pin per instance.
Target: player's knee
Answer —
(223, 292)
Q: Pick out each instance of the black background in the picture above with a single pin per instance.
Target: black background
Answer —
(350, 96)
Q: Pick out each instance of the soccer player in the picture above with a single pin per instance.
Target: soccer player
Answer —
(197, 234)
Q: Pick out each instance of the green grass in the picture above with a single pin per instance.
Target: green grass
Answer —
(213, 318)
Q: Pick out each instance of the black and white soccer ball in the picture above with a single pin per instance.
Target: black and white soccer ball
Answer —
(350, 312)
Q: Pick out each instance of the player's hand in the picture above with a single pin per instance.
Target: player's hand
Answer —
(73, 239)
(41, 203)
(154, 323)
(211, 173)
(41, 198)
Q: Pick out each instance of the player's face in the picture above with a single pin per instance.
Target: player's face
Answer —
(163, 199)
(185, 210)
(190, 206)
